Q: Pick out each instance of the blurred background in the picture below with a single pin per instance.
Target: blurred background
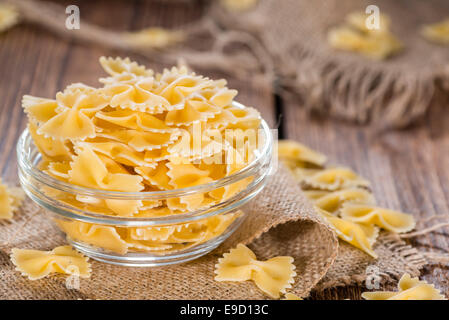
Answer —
(388, 119)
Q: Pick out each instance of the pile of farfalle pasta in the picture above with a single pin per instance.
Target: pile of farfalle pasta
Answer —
(342, 197)
(139, 132)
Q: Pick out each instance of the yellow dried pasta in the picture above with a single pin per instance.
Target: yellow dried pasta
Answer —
(36, 264)
(355, 36)
(390, 220)
(359, 235)
(105, 237)
(73, 118)
(333, 201)
(239, 5)
(8, 16)
(298, 153)
(291, 296)
(10, 200)
(408, 289)
(153, 38)
(118, 66)
(134, 120)
(272, 276)
(330, 178)
(89, 170)
(437, 32)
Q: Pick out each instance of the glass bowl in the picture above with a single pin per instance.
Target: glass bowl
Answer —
(151, 238)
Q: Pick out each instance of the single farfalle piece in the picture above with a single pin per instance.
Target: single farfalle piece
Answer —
(52, 149)
(359, 21)
(106, 237)
(437, 32)
(408, 289)
(219, 95)
(138, 96)
(183, 174)
(272, 276)
(142, 140)
(390, 220)
(333, 201)
(332, 179)
(359, 35)
(239, 5)
(10, 200)
(9, 16)
(90, 170)
(359, 235)
(248, 118)
(74, 118)
(36, 264)
(117, 66)
(177, 91)
(118, 152)
(157, 176)
(134, 120)
(151, 233)
(39, 110)
(299, 154)
(291, 296)
(153, 38)
(193, 111)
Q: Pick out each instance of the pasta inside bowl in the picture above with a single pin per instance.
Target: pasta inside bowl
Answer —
(149, 168)
(156, 235)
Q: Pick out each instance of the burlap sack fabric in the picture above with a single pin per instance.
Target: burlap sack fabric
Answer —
(280, 222)
(394, 92)
(285, 42)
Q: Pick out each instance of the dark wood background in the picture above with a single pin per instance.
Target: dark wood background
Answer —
(408, 169)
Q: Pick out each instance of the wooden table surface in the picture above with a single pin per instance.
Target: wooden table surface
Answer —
(408, 169)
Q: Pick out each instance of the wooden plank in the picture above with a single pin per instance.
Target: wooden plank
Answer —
(408, 171)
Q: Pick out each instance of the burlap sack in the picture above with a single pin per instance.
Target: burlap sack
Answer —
(280, 222)
(393, 92)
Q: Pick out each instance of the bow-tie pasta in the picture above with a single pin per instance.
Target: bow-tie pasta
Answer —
(342, 197)
(10, 200)
(334, 201)
(377, 43)
(408, 289)
(298, 155)
(359, 235)
(438, 32)
(36, 264)
(390, 220)
(272, 276)
(291, 296)
(8, 16)
(329, 179)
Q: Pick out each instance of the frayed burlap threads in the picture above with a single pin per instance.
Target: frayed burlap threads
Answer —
(354, 267)
(390, 93)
